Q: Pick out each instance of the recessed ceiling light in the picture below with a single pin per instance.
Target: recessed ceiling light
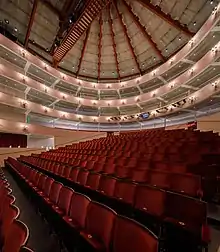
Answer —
(15, 29)
(6, 21)
(15, 59)
(211, 2)
(180, 38)
(194, 23)
(154, 58)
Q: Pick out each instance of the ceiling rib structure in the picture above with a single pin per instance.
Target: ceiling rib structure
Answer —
(166, 17)
(126, 38)
(92, 9)
(143, 30)
(31, 21)
(137, 36)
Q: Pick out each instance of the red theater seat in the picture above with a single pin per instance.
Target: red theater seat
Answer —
(98, 233)
(129, 235)
(77, 213)
(150, 200)
(16, 237)
(125, 191)
(62, 206)
(93, 181)
(107, 185)
(54, 193)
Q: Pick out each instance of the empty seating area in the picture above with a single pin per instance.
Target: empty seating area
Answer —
(83, 224)
(163, 159)
(153, 177)
(13, 233)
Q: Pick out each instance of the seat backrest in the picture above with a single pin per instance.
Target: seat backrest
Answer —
(125, 191)
(55, 191)
(47, 185)
(37, 178)
(107, 185)
(73, 174)
(10, 212)
(93, 180)
(42, 181)
(16, 238)
(78, 208)
(129, 235)
(99, 222)
(5, 201)
(82, 177)
(65, 198)
(66, 172)
(151, 200)
(190, 212)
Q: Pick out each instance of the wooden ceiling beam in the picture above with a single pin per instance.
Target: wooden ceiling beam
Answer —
(144, 32)
(126, 36)
(83, 51)
(166, 17)
(31, 21)
(100, 46)
(113, 41)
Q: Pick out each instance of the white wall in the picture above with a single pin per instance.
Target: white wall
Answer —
(208, 123)
(16, 152)
(37, 142)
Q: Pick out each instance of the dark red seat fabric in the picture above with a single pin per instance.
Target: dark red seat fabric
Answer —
(46, 187)
(41, 183)
(125, 191)
(62, 206)
(159, 179)
(78, 209)
(186, 183)
(74, 174)
(98, 233)
(54, 193)
(9, 214)
(93, 180)
(107, 185)
(16, 237)
(150, 200)
(129, 235)
(185, 211)
(82, 177)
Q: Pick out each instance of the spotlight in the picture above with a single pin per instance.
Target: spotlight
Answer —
(6, 21)
(15, 29)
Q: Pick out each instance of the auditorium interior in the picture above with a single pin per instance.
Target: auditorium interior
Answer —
(110, 125)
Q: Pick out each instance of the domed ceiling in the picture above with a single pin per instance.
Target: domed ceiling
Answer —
(105, 40)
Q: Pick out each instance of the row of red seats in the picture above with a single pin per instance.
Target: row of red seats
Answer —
(183, 183)
(191, 213)
(98, 225)
(13, 233)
